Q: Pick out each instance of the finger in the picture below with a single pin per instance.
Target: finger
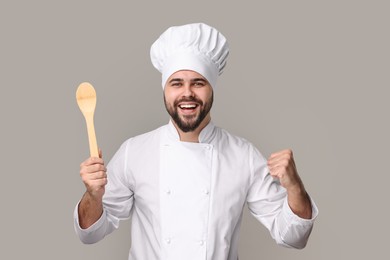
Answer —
(280, 153)
(89, 178)
(94, 160)
(95, 168)
(279, 168)
(96, 184)
(273, 171)
(279, 163)
(89, 169)
(274, 174)
(280, 158)
(97, 176)
(283, 162)
(278, 171)
(91, 161)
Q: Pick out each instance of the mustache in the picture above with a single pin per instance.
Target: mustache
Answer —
(188, 99)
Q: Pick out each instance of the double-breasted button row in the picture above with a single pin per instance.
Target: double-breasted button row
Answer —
(169, 241)
(169, 191)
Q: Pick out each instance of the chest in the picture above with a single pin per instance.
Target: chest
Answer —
(191, 174)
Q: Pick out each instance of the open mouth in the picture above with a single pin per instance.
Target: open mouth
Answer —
(188, 106)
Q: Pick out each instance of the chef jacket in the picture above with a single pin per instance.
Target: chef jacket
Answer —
(186, 199)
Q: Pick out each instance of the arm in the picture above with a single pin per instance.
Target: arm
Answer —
(288, 215)
(282, 166)
(107, 199)
(93, 174)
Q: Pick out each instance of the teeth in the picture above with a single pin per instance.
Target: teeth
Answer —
(187, 106)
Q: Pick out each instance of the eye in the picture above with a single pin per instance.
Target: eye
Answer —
(176, 84)
(199, 84)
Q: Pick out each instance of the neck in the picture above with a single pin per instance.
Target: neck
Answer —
(193, 136)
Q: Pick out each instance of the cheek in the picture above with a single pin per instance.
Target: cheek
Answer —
(207, 96)
(169, 98)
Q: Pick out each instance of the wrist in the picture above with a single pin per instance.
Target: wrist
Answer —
(297, 190)
(299, 202)
(95, 194)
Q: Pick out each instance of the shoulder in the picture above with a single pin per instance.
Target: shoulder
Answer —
(242, 149)
(224, 137)
(233, 146)
(144, 140)
(229, 141)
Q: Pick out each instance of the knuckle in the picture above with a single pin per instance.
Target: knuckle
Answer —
(282, 168)
(85, 181)
(82, 172)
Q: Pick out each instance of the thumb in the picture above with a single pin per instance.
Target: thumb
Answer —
(100, 153)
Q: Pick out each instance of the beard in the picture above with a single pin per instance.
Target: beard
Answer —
(189, 123)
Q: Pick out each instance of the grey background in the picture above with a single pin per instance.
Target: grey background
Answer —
(309, 75)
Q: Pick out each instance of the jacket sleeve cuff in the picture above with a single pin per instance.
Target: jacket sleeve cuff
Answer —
(292, 217)
(294, 231)
(92, 234)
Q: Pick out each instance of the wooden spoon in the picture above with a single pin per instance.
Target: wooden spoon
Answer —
(86, 99)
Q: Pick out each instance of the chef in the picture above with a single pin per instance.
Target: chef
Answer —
(185, 184)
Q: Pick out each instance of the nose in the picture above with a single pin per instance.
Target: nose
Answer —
(187, 91)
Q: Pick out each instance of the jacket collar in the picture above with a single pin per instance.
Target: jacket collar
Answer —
(205, 136)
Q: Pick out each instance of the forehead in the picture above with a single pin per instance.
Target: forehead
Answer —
(186, 75)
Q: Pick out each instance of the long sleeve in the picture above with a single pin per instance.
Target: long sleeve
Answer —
(117, 200)
(267, 202)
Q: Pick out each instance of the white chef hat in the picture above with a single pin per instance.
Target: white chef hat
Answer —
(198, 47)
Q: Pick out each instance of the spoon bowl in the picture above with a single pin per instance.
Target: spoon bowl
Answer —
(86, 98)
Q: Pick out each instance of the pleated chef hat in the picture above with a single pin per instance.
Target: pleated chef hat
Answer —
(198, 47)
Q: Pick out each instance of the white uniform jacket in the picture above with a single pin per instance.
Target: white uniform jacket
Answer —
(186, 199)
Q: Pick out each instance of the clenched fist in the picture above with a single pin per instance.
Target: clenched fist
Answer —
(282, 166)
(93, 173)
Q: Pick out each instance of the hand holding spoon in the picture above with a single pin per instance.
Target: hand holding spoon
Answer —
(86, 99)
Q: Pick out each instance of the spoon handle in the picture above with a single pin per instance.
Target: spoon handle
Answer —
(93, 147)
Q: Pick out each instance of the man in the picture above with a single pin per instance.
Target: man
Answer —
(185, 184)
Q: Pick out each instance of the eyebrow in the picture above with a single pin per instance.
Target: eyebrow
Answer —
(175, 79)
(192, 80)
(199, 79)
